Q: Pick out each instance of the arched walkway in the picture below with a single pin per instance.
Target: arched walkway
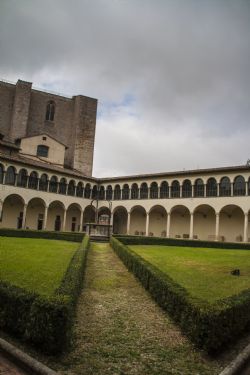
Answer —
(204, 222)
(73, 218)
(35, 214)
(12, 212)
(157, 221)
(89, 214)
(180, 222)
(231, 227)
(138, 221)
(120, 220)
(56, 216)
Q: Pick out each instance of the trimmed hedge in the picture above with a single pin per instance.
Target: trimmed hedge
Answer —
(27, 233)
(209, 326)
(45, 321)
(145, 240)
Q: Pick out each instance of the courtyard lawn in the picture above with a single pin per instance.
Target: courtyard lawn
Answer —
(35, 264)
(205, 273)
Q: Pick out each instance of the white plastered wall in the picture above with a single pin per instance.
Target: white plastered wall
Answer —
(56, 149)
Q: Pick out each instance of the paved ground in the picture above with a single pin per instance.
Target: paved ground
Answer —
(8, 368)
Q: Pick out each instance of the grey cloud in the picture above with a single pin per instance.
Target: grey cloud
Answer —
(186, 63)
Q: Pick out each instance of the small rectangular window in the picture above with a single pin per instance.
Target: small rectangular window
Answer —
(44, 138)
(42, 151)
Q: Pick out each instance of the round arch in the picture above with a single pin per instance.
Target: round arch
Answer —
(138, 220)
(35, 214)
(204, 222)
(73, 218)
(12, 212)
(231, 228)
(89, 214)
(157, 221)
(56, 214)
(180, 222)
(120, 220)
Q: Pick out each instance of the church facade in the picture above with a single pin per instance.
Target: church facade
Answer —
(46, 182)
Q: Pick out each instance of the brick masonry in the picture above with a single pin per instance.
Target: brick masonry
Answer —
(23, 110)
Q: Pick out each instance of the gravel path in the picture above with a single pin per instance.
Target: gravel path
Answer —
(120, 330)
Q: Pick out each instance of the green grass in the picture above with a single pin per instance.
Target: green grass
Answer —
(34, 264)
(205, 273)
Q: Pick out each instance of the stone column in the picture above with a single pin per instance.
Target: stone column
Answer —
(180, 191)
(192, 191)
(24, 216)
(64, 221)
(232, 189)
(168, 225)
(191, 232)
(147, 223)
(45, 218)
(128, 224)
(205, 190)
(246, 187)
(111, 218)
(81, 221)
(217, 226)
(1, 211)
(15, 184)
(245, 227)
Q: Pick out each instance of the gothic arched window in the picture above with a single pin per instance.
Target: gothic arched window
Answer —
(53, 184)
(186, 189)
(134, 191)
(102, 193)
(43, 183)
(33, 180)
(109, 193)
(164, 190)
(125, 192)
(50, 111)
(71, 188)
(10, 177)
(79, 189)
(22, 178)
(87, 191)
(144, 191)
(225, 187)
(199, 188)
(211, 187)
(117, 192)
(175, 189)
(154, 190)
(239, 186)
(62, 186)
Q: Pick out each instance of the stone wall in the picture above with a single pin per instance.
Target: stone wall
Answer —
(23, 114)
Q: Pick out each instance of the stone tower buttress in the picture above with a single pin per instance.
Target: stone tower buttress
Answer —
(84, 123)
(20, 114)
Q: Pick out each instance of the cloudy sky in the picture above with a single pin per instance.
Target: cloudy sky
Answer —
(172, 76)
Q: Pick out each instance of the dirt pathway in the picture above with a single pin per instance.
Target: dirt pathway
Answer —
(120, 330)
